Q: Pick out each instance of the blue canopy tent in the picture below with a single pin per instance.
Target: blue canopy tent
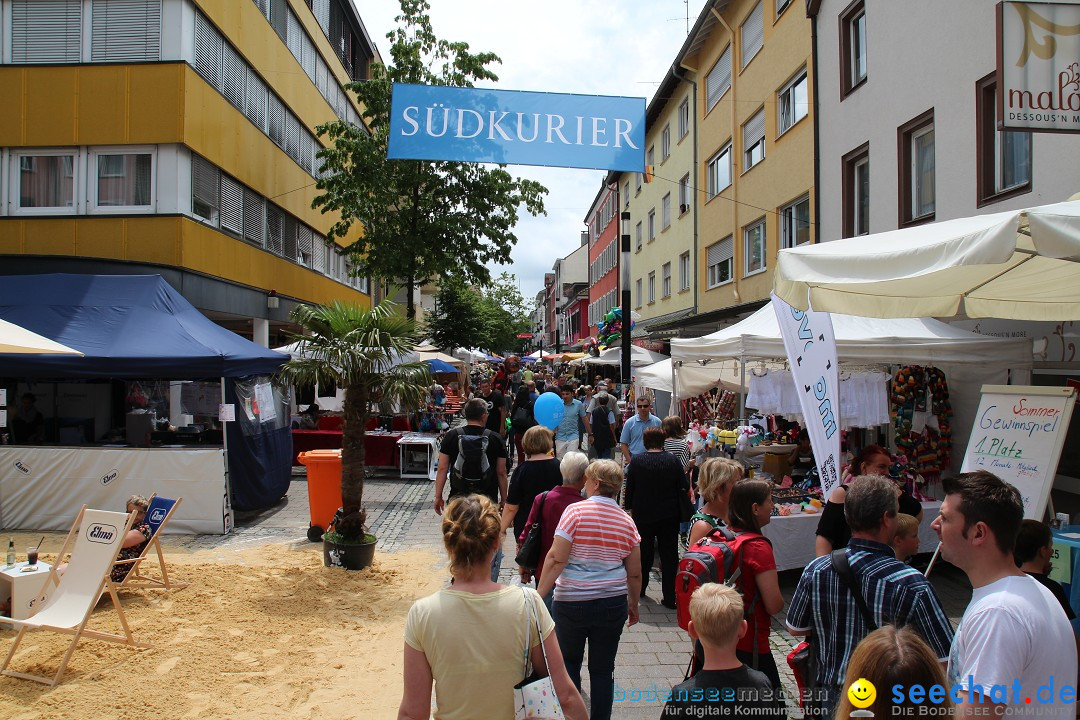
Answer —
(139, 327)
(440, 366)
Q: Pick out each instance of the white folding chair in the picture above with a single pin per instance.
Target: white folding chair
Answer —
(97, 537)
(158, 514)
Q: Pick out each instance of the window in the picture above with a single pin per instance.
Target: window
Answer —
(795, 223)
(719, 79)
(781, 6)
(637, 293)
(852, 47)
(752, 34)
(684, 194)
(626, 194)
(46, 31)
(684, 118)
(754, 247)
(126, 31)
(916, 168)
(637, 183)
(665, 143)
(856, 191)
(684, 271)
(665, 280)
(47, 182)
(650, 156)
(652, 287)
(792, 105)
(637, 238)
(665, 212)
(754, 140)
(205, 192)
(652, 224)
(719, 169)
(1003, 156)
(124, 180)
(719, 258)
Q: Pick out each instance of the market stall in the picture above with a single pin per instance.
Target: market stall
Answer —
(967, 359)
(154, 368)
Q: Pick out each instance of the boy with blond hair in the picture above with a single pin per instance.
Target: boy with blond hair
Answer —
(724, 685)
(906, 541)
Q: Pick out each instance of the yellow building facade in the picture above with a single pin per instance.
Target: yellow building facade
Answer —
(662, 210)
(752, 63)
(177, 137)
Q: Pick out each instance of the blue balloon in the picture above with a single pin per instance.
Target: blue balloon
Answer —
(548, 410)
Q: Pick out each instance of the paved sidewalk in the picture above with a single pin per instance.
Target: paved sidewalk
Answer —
(652, 655)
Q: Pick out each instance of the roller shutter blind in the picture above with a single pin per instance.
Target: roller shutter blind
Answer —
(721, 251)
(274, 219)
(208, 44)
(254, 218)
(205, 188)
(719, 78)
(233, 77)
(125, 30)
(754, 129)
(255, 100)
(232, 205)
(46, 31)
(753, 34)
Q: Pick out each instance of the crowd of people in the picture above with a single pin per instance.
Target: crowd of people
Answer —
(869, 615)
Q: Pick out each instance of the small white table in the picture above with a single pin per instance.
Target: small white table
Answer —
(26, 590)
(423, 445)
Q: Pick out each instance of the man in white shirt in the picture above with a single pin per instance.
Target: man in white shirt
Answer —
(1011, 653)
(630, 440)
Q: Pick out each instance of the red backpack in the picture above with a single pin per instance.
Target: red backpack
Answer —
(714, 558)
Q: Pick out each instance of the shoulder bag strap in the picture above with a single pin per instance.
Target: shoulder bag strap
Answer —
(539, 522)
(539, 634)
(840, 565)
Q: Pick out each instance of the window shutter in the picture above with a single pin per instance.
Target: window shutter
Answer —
(307, 57)
(307, 150)
(264, 7)
(292, 136)
(46, 31)
(205, 182)
(273, 229)
(303, 245)
(719, 79)
(754, 129)
(294, 36)
(208, 44)
(233, 77)
(125, 30)
(279, 13)
(288, 237)
(275, 113)
(721, 251)
(255, 100)
(254, 218)
(318, 253)
(232, 205)
(753, 34)
(321, 9)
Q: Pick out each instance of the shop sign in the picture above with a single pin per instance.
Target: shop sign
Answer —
(525, 336)
(429, 122)
(1038, 66)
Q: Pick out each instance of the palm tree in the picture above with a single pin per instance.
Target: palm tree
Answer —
(360, 351)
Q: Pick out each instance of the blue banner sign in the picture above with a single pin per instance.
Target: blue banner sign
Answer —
(429, 122)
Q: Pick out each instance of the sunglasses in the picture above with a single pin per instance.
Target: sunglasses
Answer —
(644, 407)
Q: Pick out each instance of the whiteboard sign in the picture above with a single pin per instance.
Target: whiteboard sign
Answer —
(1018, 434)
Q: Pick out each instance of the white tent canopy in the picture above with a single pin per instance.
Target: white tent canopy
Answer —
(639, 357)
(17, 340)
(694, 379)
(858, 339)
(1021, 265)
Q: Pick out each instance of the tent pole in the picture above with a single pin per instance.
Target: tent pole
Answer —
(742, 389)
(674, 388)
(225, 457)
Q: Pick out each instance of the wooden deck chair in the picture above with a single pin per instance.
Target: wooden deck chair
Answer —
(158, 515)
(97, 537)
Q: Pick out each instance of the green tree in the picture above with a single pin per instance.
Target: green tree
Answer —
(359, 350)
(505, 314)
(458, 319)
(420, 219)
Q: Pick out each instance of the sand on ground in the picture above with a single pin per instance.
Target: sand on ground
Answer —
(266, 632)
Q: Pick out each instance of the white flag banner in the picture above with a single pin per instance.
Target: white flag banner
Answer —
(811, 350)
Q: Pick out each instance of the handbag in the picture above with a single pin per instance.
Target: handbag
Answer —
(686, 508)
(529, 555)
(534, 697)
(803, 663)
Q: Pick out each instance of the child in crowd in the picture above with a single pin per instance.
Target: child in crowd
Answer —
(906, 541)
(724, 687)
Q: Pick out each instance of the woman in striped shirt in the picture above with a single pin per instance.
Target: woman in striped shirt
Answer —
(594, 566)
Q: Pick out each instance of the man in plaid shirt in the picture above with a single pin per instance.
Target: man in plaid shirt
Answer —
(895, 593)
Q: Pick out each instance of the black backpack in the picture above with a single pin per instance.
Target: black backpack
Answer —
(522, 419)
(600, 426)
(472, 472)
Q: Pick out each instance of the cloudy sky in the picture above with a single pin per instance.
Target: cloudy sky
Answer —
(596, 47)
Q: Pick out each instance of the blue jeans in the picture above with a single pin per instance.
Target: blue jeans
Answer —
(599, 622)
(496, 563)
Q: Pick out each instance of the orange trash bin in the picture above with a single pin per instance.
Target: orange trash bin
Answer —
(324, 488)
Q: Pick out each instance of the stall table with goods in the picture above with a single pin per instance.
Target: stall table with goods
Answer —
(380, 447)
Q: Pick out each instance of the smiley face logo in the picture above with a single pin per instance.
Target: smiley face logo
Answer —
(862, 693)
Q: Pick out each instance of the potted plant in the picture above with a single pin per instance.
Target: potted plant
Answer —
(365, 353)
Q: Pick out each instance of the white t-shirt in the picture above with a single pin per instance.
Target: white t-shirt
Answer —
(1014, 629)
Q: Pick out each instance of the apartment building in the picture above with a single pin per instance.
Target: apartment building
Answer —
(752, 64)
(177, 137)
(662, 207)
(603, 224)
